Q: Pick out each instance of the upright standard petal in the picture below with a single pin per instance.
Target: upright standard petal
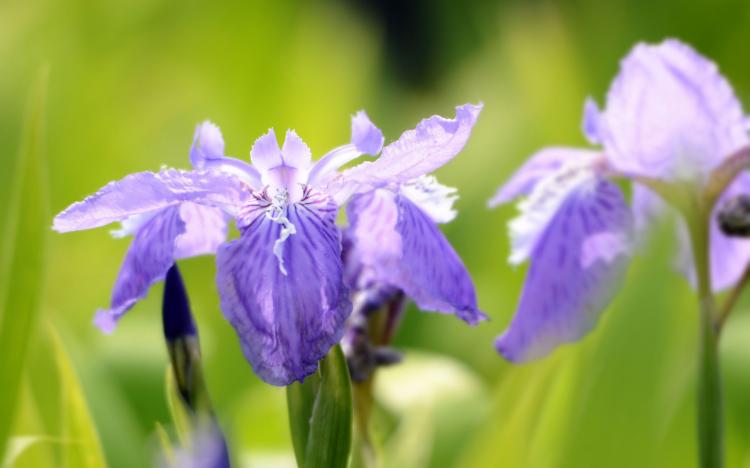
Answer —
(148, 192)
(286, 321)
(729, 255)
(366, 139)
(433, 143)
(207, 144)
(576, 268)
(538, 166)
(394, 243)
(149, 257)
(670, 114)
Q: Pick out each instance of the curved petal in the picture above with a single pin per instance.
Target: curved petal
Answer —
(592, 118)
(539, 165)
(207, 144)
(286, 321)
(147, 192)
(670, 114)
(149, 257)
(366, 139)
(205, 230)
(433, 143)
(576, 268)
(394, 243)
(729, 255)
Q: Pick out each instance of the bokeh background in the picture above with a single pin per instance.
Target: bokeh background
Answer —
(129, 81)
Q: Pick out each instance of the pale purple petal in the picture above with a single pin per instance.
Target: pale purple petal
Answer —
(149, 257)
(285, 322)
(295, 152)
(729, 255)
(433, 143)
(648, 207)
(576, 268)
(205, 230)
(148, 192)
(670, 114)
(366, 137)
(265, 153)
(592, 122)
(394, 243)
(207, 144)
(538, 166)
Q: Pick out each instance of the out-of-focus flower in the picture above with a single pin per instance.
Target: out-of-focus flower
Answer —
(670, 116)
(281, 283)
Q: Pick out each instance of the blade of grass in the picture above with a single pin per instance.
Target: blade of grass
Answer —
(84, 449)
(21, 282)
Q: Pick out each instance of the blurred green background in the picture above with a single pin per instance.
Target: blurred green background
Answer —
(128, 82)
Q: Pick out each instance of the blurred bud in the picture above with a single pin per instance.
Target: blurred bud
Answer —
(370, 328)
(208, 449)
(178, 321)
(182, 342)
(734, 216)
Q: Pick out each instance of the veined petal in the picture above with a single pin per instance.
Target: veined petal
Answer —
(394, 243)
(286, 321)
(433, 143)
(729, 255)
(538, 166)
(670, 114)
(148, 192)
(366, 139)
(149, 257)
(576, 268)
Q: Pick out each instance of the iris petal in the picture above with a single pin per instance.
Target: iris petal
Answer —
(286, 322)
(576, 268)
(394, 243)
(148, 192)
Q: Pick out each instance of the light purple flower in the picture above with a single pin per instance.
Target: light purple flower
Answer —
(394, 242)
(162, 213)
(671, 116)
(281, 282)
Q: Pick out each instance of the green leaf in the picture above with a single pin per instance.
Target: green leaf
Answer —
(23, 257)
(320, 414)
(84, 449)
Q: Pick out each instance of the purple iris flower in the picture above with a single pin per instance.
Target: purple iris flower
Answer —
(394, 244)
(281, 282)
(669, 116)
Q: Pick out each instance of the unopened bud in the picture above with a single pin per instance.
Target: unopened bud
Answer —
(734, 216)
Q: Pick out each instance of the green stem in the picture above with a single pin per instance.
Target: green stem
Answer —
(710, 407)
(365, 453)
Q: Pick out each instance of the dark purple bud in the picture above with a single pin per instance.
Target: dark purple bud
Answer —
(178, 321)
(734, 216)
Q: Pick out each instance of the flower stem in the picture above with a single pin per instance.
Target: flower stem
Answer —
(710, 407)
(731, 300)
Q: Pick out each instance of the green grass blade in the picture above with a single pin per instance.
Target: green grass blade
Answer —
(23, 258)
(84, 449)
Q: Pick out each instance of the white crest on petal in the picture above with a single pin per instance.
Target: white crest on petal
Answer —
(131, 225)
(432, 197)
(276, 212)
(538, 209)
